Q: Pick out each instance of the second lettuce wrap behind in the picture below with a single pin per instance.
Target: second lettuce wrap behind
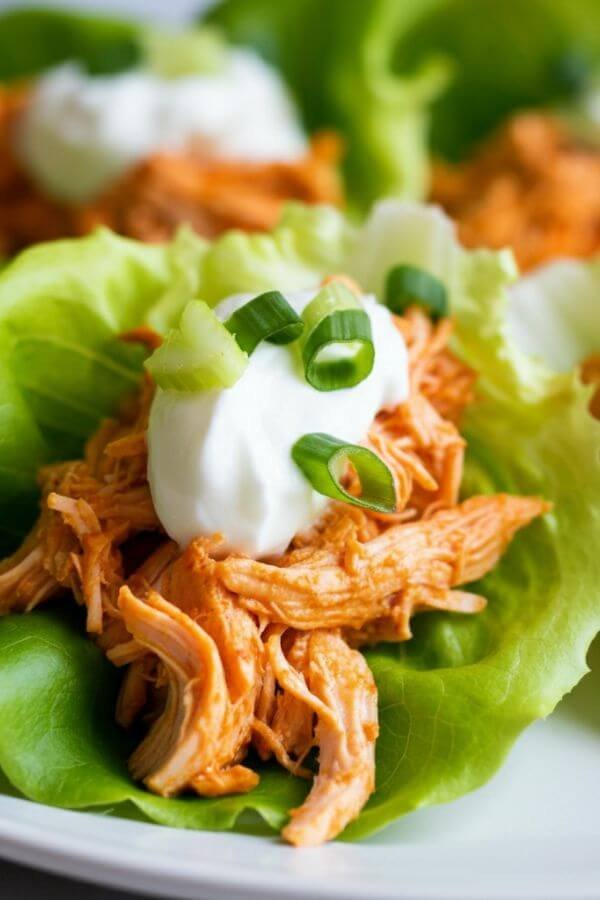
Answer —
(454, 698)
(383, 72)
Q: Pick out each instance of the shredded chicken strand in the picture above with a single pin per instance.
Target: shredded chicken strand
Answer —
(342, 680)
(184, 740)
(532, 186)
(292, 721)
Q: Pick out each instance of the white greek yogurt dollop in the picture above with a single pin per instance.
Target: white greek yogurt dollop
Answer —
(81, 132)
(220, 461)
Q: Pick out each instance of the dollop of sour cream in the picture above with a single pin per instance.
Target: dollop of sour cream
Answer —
(81, 132)
(220, 461)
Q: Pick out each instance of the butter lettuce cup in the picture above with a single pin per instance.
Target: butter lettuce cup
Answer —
(326, 500)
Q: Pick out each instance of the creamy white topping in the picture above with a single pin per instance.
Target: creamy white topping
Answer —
(220, 461)
(81, 132)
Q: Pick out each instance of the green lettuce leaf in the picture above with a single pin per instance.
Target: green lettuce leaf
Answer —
(516, 56)
(32, 40)
(373, 70)
(70, 752)
(61, 369)
(338, 60)
(454, 698)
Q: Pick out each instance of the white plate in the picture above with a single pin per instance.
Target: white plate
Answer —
(533, 832)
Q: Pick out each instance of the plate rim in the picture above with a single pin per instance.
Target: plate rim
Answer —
(25, 839)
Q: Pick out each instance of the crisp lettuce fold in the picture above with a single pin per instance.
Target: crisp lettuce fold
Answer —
(338, 59)
(34, 39)
(375, 70)
(454, 698)
(61, 305)
(396, 79)
(554, 313)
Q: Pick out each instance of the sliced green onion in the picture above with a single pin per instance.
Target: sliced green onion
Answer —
(407, 286)
(189, 51)
(269, 317)
(323, 459)
(337, 350)
(199, 355)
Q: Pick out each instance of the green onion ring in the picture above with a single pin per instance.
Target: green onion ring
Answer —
(322, 459)
(268, 317)
(407, 286)
(337, 350)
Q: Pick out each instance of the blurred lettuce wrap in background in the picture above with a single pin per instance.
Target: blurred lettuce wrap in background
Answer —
(35, 39)
(140, 128)
(338, 59)
(339, 70)
(377, 70)
(397, 80)
(453, 699)
(507, 55)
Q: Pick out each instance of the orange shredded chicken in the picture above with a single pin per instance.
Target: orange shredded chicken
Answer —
(89, 509)
(284, 722)
(27, 215)
(156, 196)
(342, 681)
(225, 654)
(590, 374)
(532, 187)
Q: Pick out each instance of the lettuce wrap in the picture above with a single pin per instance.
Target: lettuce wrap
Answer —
(386, 145)
(384, 74)
(373, 69)
(454, 698)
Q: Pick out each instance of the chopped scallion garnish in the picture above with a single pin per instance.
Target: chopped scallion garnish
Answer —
(183, 52)
(323, 460)
(410, 286)
(337, 349)
(268, 317)
(198, 355)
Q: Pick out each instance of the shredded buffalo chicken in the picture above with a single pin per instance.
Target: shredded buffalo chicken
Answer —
(159, 194)
(156, 196)
(533, 187)
(27, 216)
(226, 654)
